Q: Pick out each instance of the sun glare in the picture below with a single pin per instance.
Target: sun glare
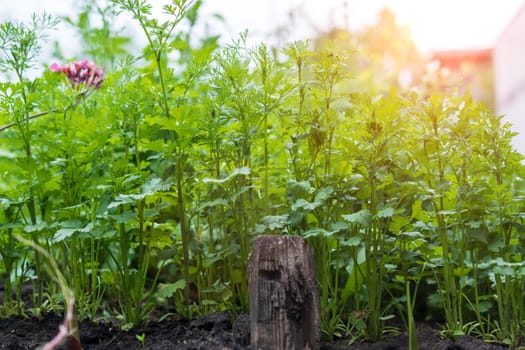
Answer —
(454, 25)
(446, 24)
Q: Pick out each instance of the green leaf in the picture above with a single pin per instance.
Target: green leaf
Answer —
(304, 204)
(467, 281)
(354, 241)
(385, 213)
(362, 217)
(119, 201)
(210, 260)
(418, 212)
(207, 302)
(297, 189)
(63, 234)
(484, 306)
(35, 228)
(166, 290)
(236, 172)
(504, 270)
(458, 332)
(447, 212)
(214, 203)
(155, 185)
(275, 222)
(323, 194)
(339, 226)
(398, 223)
(124, 217)
(6, 154)
(412, 235)
(11, 225)
(317, 232)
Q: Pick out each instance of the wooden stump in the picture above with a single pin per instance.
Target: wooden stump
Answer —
(284, 301)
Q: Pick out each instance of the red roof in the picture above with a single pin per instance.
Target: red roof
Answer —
(453, 59)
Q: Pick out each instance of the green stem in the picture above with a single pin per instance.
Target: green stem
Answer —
(451, 294)
(266, 164)
(124, 251)
(158, 47)
(165, 106)
(10, 125)
(412, 335)
(185, 234)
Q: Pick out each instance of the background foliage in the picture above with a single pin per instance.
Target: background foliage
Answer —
(150, 191)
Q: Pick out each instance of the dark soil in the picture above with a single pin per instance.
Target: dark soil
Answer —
(213, 332)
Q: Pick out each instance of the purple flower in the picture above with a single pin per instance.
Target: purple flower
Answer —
(55, 67)
(80, 73)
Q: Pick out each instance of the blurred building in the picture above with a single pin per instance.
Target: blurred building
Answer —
(509, 72)
(473, 69)
(495, 76)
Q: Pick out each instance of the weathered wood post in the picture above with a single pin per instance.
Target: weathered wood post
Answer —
(284, 300)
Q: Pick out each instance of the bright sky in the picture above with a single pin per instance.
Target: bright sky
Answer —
(435, 24)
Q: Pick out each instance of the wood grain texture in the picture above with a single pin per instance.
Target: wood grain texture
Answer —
(284, 302)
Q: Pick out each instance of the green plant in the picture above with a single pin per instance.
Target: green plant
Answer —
(410, 242)
(102, 43)
(274, 88)
(69, 329)
(434, 161)
(20, 44)
(377, 123)
(141, 338)
(159, 36)
(508, 278)
(149, 193)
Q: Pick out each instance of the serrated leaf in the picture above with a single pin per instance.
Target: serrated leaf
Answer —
(339, 226)
(155, 185)
(304, 204)
(274, 222)
(298, 188)
(418, 212)
(124, 217)
(397, 223)
(34, 228)
(385, 213)
(362, 217)
(317, 232)
(323, 194)
(354, 241)
(166, 290)
(87, 228)
(63, 233)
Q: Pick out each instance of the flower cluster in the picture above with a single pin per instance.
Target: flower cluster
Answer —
(82, 72)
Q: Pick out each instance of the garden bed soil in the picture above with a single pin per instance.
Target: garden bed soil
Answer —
(213, 332)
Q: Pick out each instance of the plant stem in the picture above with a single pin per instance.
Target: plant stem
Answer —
(184, 231)
(412, 335)
(10, 125)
